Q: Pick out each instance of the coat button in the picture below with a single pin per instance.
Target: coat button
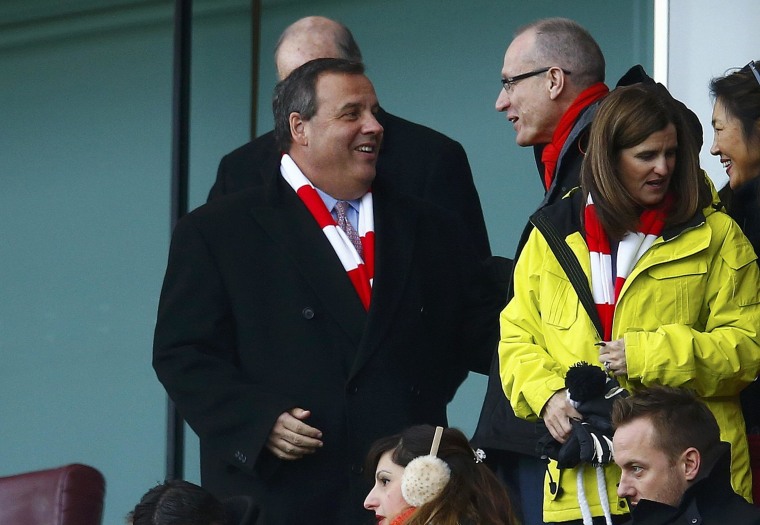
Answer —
(307, 313)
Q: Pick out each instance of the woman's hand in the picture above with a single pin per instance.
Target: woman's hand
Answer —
(556, 415)
(612, 356)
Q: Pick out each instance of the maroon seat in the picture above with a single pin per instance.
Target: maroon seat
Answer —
(68, 495)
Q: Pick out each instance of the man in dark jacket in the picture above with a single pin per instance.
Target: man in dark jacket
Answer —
(553, 79)
(291, 337)
(674, 467)
(414, 159)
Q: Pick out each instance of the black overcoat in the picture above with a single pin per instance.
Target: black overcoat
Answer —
(257, 316)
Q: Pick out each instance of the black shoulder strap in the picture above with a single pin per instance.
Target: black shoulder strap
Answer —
(570, 264)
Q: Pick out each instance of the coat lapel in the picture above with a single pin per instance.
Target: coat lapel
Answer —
(395, 235)
(281, 213)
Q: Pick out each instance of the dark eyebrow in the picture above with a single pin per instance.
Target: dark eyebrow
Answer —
(351, 105)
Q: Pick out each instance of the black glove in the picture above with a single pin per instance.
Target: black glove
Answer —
(591, 439)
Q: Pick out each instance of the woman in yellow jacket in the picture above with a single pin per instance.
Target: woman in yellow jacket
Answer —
(637, 272)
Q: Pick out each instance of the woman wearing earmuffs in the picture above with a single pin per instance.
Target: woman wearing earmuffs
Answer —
(430, 476)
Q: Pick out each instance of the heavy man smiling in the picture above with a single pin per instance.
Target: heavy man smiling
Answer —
(309, 315)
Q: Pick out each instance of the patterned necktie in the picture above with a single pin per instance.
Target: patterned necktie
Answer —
(344, 224)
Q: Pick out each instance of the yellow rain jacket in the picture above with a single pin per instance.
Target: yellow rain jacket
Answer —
(689, 313)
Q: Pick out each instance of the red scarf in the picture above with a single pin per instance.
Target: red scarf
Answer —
(360, 271)
(631, 247)
(550, 155)
(402, 518)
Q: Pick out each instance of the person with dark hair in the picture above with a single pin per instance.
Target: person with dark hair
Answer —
(636, 271)
(432, 476)
(674, 468)
(736, 123)
(413, 159)
(304, 318)
(178, 502)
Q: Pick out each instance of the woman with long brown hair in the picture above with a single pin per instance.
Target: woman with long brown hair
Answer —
(638, 272)
(446, 485)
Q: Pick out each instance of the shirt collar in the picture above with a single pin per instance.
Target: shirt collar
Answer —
(330, 200)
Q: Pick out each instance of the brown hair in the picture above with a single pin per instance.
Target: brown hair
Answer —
(680, 420)
(473, 495)
(626, 117)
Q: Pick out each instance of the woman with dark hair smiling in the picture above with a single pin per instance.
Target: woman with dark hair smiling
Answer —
(636, 271)
(736, 123)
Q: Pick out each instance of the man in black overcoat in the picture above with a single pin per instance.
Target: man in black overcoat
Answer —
(414, 159)
(262, 338)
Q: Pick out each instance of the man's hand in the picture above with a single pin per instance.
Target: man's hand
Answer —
(612, 356)
(556, 415)
(291, 438)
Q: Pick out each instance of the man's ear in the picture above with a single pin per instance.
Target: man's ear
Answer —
(298, 129)
(692, 461)
(556, 82)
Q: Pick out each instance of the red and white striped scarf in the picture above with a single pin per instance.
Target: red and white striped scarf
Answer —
(360, 271)
(631, 247)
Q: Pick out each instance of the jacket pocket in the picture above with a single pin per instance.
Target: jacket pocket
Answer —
(679, 291)
(563, 302)
(740, 257)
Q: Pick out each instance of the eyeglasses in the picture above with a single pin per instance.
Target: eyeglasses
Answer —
(509, 83)
(752, 68)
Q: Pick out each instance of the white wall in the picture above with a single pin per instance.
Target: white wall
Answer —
(707, 38)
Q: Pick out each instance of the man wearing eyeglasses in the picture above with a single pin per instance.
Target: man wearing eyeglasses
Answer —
(552, 79)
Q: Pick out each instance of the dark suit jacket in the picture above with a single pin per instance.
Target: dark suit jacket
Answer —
(414, 159)
(257, 316)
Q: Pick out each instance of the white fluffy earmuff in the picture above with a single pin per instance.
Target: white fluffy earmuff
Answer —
(425, 476)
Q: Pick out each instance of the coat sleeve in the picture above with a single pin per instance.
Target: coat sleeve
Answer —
(486, 297)
(219, 188)
(194, 356)
(453, 188)
(529, 373)
(723, 356)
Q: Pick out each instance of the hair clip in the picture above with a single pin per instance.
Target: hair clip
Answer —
(480, 455)
(753, 68)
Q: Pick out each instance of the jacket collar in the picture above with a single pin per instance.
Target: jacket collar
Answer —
(280, 212)
(567, 215)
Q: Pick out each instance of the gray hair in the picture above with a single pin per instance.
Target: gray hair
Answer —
(565, 43)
